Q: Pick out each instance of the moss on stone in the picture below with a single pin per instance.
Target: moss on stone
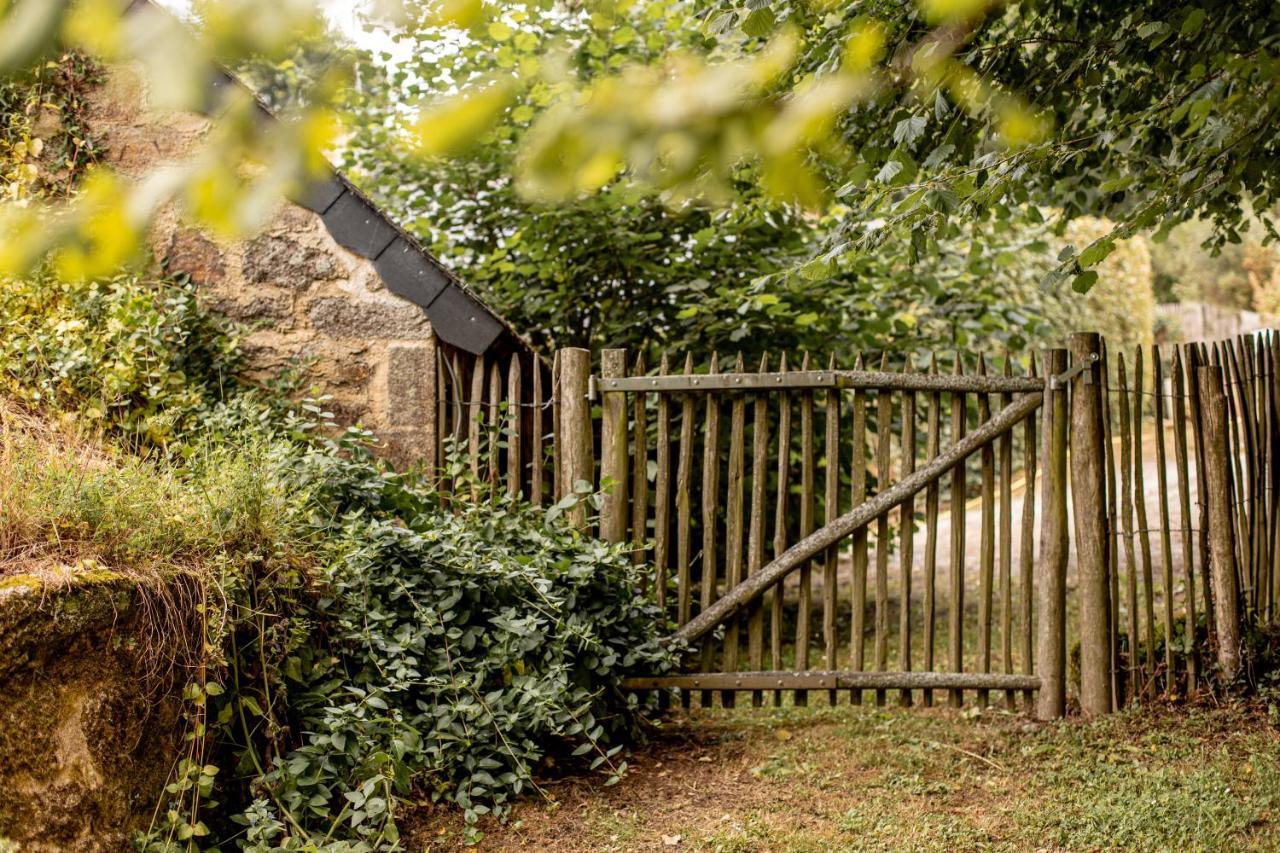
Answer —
(85, 747)
(37, 619)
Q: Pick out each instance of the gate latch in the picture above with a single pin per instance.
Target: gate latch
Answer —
(1075, 370)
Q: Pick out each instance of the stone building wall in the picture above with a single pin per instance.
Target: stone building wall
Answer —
(302, 298)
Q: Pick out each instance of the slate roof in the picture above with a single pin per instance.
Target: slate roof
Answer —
(405, 267)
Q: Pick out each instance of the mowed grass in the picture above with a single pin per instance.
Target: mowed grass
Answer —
(861, 778)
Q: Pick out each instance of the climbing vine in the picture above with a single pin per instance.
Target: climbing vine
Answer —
(46, 141)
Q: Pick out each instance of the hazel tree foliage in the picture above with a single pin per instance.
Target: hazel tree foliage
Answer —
(914, 121)
(580, 268)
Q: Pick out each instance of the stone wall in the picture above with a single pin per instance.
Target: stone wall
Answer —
(302, 299)
(88, 734)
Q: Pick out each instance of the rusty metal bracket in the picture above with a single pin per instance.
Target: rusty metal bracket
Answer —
(1056, 382)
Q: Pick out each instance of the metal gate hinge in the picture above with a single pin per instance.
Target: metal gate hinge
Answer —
(1075, 370)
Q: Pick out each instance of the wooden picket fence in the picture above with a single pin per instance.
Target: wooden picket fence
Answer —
(809, 528)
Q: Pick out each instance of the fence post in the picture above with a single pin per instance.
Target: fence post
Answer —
(613, 448)
(576, 460)
(1226, 606)
(1088, 491)
(1051, 647)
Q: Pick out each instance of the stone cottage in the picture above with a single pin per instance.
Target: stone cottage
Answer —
(331, 285)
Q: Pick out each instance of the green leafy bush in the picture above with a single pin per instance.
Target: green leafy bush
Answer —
(133, 354)
(460, 649)
(398, 648)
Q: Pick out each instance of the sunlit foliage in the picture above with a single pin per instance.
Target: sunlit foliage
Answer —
(908, 121)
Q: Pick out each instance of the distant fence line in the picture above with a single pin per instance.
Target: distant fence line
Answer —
(1200, 321)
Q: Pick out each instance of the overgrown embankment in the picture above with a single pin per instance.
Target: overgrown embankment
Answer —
(358, 642)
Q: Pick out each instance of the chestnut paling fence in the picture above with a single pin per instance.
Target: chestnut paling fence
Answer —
(909, 530)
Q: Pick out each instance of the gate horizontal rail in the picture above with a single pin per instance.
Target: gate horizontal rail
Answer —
(825, 679)
(799, 380)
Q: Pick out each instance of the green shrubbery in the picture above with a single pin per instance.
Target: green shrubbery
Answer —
(460, 650)
(365, 641)
(135, 355)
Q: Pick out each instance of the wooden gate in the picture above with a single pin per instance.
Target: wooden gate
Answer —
(823, 477)
(906, 531)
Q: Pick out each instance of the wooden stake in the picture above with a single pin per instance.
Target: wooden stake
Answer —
(1026, 550)
(475, 417)
(431, 409)
(1184, 513)
(1113, 549)
(830, 510)
(932, 427)
(906, 532)
(515, 412)
(1051, 646)
(957, 512)
(557, 452)
(1006, 543)
(986, 542)
(1194, 360)
(494, 469)
(858, 555)
(1127, 532)
(734, 525)
(755, 537)
(1166, 538)
(710, 516)
(884, 474)
(1088, 496)
(1222, 552)
(640, 472)
(613, 449)
(804, 608)
(684, 488)
(537, 448)
(577, 459)
(1143, 526)
(662, 494)
(781, 501)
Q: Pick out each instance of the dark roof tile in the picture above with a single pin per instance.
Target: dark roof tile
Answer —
(460, 320)
(358, 226)
(320, 196)
(406, 271)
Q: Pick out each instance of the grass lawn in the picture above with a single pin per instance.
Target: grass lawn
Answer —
(822, 778)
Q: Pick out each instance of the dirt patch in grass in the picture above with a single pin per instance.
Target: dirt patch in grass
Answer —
(800, 779)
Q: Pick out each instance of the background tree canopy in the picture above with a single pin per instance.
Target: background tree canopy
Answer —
(941, 252)
(897, 170)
